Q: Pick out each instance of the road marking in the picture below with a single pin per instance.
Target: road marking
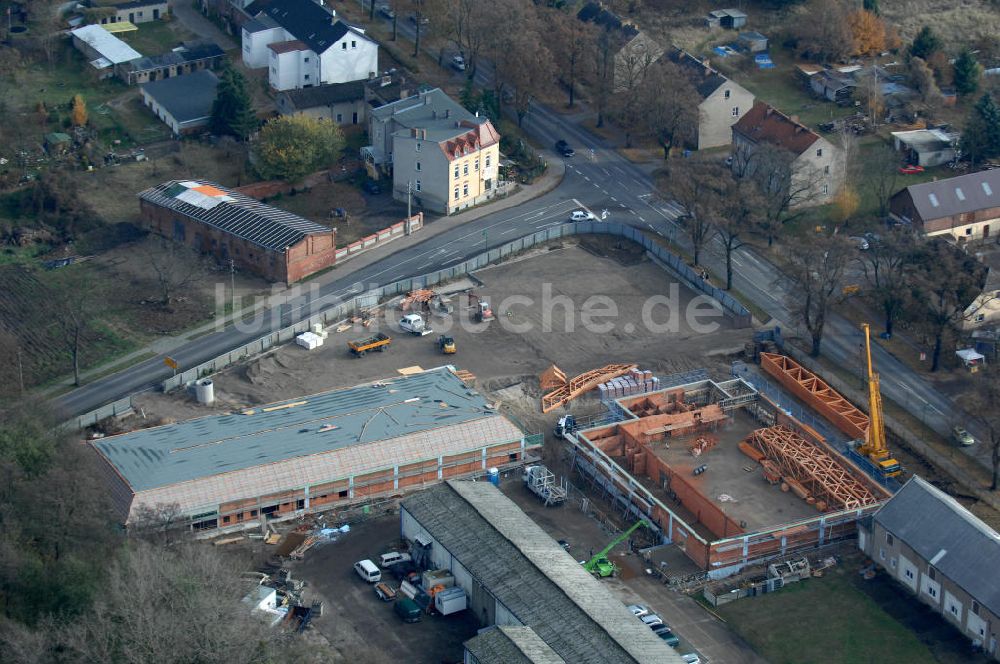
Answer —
(509, 230)
(632, 211)
(614, 199)
(640, 218)
(587, 178)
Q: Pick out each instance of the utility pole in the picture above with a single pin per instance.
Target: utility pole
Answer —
(232, 281)
(409, 207)
(486, 241)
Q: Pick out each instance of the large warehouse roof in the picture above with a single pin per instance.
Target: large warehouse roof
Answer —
(233, 212)
(538, 582)
(406, 406)
(511, 645)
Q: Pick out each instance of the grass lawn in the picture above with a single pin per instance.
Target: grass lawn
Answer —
(157, 37)
(827, 620)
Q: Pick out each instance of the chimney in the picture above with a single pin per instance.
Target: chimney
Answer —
(434, 114)
(770, 109)
(794, 118)
(447, 112)
(427, 99)
(414, 132)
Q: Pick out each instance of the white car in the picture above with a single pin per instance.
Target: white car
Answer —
(651, 619)
(638, 610)
(691, 658)
(581, 215)
(458, 62)
(414, 324)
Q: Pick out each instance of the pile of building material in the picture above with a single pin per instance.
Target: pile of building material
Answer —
(703, 444)
(309, 340)
(419, 296)
(583, 383)
(635, 381)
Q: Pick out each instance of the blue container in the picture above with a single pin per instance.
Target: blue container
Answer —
(494, 476)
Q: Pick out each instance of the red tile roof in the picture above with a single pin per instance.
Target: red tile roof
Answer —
(765, 123)
(479, 137)
(288, 46)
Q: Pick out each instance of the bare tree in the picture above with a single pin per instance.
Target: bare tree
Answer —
(738, 209)
(816, 272)
(529, 70)
(570, 41)
(73, 303)
(467, 24)
(695, 184)
(986, 409)
(603, 73)
(946, 284)
(174, 266)
(670, 106)
(886, 265)
(884, 174)
(784, 189)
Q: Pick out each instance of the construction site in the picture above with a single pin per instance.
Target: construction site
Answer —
(724, 474)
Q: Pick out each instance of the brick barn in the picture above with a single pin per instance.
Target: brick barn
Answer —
(258, 238)
(311, 453)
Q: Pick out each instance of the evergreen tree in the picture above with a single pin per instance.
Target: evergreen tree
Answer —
(232, 111)
(967, 72)
(871, 6)
(925, 43)
(981, 138)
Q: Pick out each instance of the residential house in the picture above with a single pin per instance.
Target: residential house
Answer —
(634, 51)
(274, 244)
(105, 52)
(943, 555)
(344, 103)
(186, 59)
(965, 208)
(984, 311)
(721, 102)
(304, 44)
(141, 11)
(731, 19)
(817, 169)
(926, 147)
(183, 103)
(446, 156)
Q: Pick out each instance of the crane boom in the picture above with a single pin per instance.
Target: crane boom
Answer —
(875, 446)
(600, 565)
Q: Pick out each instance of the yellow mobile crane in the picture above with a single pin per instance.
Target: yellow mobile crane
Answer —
(875, 447)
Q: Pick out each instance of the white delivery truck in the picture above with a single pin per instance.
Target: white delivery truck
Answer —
(414, 324)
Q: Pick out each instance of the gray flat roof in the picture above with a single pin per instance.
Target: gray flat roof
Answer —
(539, 583)
(393, 408)
(186, 98)
(432, 110)
(511, 645)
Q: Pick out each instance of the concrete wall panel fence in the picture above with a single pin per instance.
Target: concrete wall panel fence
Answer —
(340, 312)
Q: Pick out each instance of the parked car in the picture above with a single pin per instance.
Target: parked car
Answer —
(581, 215)
(564, 544)
(372, 187)
(384, 591)
(691, 658)
(386, 10)
(407, 610)
(669, 638)
(638, 610)
(458, 62)
(422, 20)
(563, 148)
(366, 570)
(651, 619)
(962, 436)
(911, 169)
(859, 242)
(393, 557)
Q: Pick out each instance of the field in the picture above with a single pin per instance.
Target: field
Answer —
(842, 619)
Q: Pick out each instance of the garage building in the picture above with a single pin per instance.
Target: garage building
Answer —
(515, 575)
(309, 454)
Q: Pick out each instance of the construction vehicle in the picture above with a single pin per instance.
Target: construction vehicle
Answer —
(565, 425)
(600, 565)
(542, 482)
(447, 345)
(874, 446)
(414, 324)
(481, 308)
(379, 342)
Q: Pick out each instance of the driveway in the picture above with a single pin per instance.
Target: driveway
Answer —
(196, 22)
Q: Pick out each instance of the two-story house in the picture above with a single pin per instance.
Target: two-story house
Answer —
(943, 555)
(817, 168)
(721, 102)
(304, 44)
(433, 148)
(963, 208)
(633, 50)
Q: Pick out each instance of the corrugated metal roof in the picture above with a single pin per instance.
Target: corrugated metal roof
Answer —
(110, 47)
(311, 425)
(511, 645)
(939, 529)
(958, 195)
(240, 215)
(538, 582)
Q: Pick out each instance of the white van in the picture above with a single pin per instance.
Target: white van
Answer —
(393, 557)
(366, 570)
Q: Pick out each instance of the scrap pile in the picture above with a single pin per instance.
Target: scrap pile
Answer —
(806, 470)
(703, 444)
(636, 381)
(420, 297)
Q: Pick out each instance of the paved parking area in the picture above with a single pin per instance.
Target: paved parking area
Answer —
(357, 624)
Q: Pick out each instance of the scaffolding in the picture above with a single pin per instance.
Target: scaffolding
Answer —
(805, 465)
(583, 383)
(542, 482)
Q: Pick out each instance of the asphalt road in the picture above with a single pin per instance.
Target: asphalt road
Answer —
(599, 179)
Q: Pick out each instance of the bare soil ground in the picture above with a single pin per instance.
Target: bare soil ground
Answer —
(506, 361)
